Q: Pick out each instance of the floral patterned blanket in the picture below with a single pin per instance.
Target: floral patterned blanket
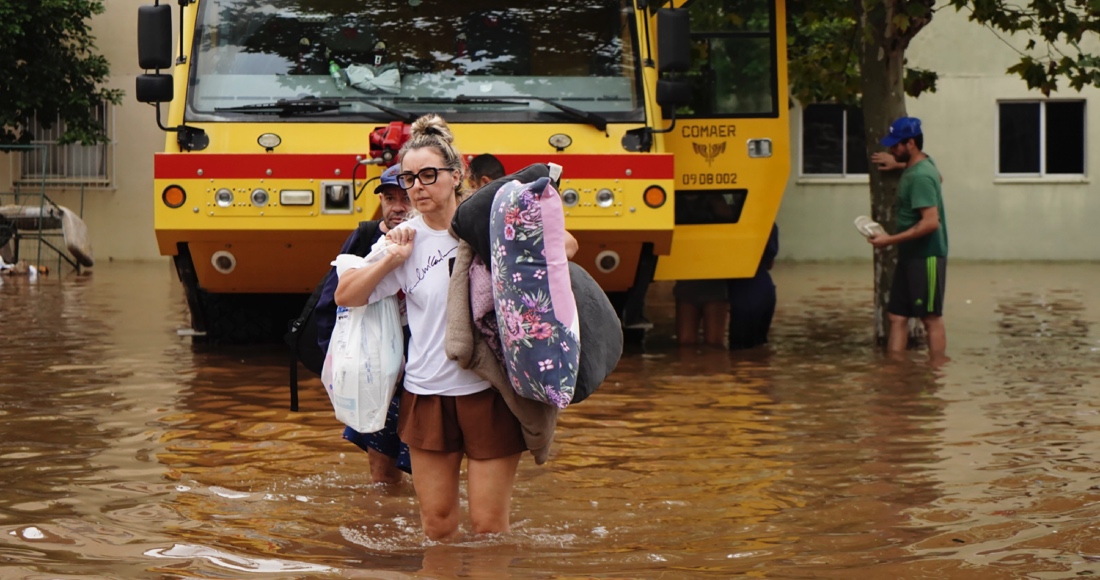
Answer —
(534, 302)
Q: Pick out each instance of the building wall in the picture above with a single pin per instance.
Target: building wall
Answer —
(989, 218)
(121, 221)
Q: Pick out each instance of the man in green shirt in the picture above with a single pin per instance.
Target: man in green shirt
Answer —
(921, 237)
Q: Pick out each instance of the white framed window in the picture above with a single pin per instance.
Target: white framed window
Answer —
(68, 165)
(1040, 138)
(832, 141)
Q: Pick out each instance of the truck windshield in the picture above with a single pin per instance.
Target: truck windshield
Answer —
(471, 61)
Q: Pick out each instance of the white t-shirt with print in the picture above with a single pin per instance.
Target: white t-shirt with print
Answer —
(425, 278)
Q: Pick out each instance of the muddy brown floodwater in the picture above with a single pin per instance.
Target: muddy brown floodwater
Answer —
(125, 452)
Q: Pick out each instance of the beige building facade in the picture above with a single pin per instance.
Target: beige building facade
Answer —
(994, 213)
(999, 205)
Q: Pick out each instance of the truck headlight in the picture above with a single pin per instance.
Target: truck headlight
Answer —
(224, 197)
(605, 198)
(260, 197)
(570, 197)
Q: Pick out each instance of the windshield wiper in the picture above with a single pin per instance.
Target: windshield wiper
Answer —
(403, 116)
(286, 107)
(594, 119)
(310, 105)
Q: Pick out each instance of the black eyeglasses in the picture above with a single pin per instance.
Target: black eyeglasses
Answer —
(427, 176)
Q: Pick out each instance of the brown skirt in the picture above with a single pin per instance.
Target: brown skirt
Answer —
(480, 425)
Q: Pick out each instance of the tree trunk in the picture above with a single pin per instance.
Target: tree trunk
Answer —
(882, 62)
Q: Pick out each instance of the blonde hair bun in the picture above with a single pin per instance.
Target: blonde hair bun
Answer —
(431, 125)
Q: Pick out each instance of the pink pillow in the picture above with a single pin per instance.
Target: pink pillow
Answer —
(535, 306)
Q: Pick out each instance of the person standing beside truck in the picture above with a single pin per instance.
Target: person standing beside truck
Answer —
(921, 236)
(752, 300)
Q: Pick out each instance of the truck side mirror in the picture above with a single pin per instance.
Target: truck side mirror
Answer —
(156, 88)
(155, 37)
(673, 41)
(673, 58)
(154, 52)
(673, 93)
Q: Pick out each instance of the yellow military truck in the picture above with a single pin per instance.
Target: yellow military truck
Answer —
(669, 120)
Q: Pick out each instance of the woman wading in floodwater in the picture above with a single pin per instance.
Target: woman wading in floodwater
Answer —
(446, 411)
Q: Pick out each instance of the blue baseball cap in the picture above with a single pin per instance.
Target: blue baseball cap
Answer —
(389, 177)
(903, 129)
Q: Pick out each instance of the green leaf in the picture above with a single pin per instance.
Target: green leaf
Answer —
(901, 22)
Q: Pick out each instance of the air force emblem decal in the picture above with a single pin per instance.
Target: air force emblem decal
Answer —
(709, 152)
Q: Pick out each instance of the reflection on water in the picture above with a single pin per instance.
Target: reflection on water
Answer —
(127, 453)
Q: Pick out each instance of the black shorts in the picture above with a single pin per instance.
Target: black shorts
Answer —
(918, 287)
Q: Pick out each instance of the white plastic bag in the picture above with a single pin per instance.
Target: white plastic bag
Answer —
(364, 358)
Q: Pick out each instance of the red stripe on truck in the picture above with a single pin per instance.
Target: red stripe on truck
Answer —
(176, 166)
(253, 166)
(579, 166)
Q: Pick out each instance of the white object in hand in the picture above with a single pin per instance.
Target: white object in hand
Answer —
(868, 227)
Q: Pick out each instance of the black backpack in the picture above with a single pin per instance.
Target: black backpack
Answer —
(301, 335)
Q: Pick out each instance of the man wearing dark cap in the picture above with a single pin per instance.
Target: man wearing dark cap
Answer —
(921, 237)
(394, 200)
(387, 455)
